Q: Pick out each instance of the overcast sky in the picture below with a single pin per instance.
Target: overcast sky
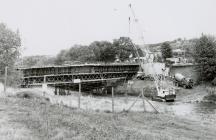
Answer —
(47, 26)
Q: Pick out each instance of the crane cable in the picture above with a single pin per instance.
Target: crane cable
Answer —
(134, 46)
(137, 22)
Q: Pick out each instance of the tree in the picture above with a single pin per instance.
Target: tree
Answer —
(100, 51)
(61, 57)
(103, 51)
(79, 53)
(124, 48)
(108, 54)
(204, 55)
(166, 50)
(10, 43)
(38, 60)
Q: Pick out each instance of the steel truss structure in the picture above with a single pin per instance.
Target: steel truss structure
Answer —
(67, 75)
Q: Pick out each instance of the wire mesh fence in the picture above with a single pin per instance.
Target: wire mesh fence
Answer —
(107, 102)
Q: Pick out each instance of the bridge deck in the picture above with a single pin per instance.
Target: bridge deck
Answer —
(55, 75)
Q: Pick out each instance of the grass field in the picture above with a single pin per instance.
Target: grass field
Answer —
(34, 117)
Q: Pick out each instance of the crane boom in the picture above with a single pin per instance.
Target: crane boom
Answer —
(163, 92)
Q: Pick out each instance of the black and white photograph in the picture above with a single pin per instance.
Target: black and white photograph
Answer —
(107, 70)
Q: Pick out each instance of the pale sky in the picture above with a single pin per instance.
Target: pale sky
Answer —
(47, 26)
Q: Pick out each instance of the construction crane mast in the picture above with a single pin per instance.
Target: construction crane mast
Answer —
(162, 92)
(140, 72)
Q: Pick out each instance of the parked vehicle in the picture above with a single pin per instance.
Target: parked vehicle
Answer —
(181, 80)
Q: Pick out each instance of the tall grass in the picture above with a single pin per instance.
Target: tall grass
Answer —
(211, 97)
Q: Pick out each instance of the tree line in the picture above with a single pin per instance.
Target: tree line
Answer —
(100, 51)
(203, 50)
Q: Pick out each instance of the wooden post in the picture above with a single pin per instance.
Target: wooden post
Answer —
(79, 95)
(126, 95)
(143, 100)
(44, 85)
(68, 90)
(5, 80)
(112, 100)
(56, 90)
(126, 91)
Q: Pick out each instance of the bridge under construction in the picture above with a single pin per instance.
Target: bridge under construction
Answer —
(91, 76)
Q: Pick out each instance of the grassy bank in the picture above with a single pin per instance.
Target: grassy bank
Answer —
(47, 121)
(211, 97)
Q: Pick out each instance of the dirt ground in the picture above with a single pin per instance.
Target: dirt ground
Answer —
(36, 118)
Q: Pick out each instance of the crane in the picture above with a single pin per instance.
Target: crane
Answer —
(140, 72)
(162, 92)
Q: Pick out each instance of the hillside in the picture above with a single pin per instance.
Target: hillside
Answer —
(175, 44)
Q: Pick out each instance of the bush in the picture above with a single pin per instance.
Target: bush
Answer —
(214, 82)
(211, 97)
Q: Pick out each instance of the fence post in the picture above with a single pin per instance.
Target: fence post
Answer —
(44, 85)
(56, 91)
(5, 80)
(79, 95)
(143, 100)
(112, 100)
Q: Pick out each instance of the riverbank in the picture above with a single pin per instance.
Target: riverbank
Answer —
(211, 96)
(42, 120)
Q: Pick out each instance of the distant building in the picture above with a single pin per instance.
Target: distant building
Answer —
(178, 53)
(174, 60)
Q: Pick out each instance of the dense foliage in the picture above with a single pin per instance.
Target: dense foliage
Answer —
(75, 53)
(100, 51)
(204, 55)
(37, 60)
(10, 43)
(166, 50)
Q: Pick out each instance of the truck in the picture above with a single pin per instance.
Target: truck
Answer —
(181, 80)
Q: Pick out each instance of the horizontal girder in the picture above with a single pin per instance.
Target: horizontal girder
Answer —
(86, 73)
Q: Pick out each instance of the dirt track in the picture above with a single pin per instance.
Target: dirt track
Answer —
(38, 119)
